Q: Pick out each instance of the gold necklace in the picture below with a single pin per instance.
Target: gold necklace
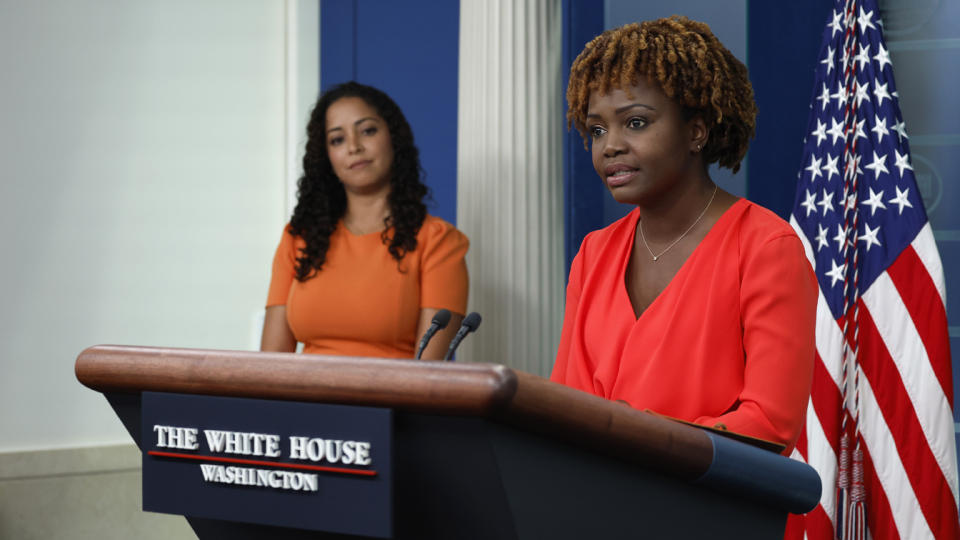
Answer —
(650, 251)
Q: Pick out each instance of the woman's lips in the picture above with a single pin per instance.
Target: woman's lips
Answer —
(360, 164)
(621, 177)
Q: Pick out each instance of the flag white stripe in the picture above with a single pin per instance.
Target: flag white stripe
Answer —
(829, 334)
(807, 248)
(821, 457)
(904, 506)
(830, 342)
(909, 355)
(820, 454)
(926, 247)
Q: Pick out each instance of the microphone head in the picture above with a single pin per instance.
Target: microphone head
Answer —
(472, 321)
(441, 319)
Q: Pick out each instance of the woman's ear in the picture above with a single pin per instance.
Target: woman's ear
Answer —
(699, 133)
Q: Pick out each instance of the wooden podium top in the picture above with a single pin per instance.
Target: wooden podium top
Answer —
(482, 390)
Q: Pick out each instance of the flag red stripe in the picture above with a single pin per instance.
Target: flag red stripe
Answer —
(923, 302)
(931, 488)
(801, 445)
(879, 516)
(795, 525)
(827, 401)
(817, 523)
(796, 522)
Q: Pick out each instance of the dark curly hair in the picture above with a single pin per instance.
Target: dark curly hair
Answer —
(322, 200)
(688, 63)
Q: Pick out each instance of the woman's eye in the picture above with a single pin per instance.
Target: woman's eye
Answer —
(597, 131)
(636, 123)
(370, 131)
(335, 141)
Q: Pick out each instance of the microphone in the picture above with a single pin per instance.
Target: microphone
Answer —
(470, 324)
(439, 322)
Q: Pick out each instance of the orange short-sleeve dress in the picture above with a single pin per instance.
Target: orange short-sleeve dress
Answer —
(363, 302)
(730, 340)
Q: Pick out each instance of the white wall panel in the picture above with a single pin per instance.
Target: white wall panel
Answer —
(142, 192)
(509, 178)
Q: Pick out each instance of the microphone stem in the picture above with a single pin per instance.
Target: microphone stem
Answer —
(426, 339)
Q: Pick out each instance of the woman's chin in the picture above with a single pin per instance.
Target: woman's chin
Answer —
(368, 188)
(623, 195)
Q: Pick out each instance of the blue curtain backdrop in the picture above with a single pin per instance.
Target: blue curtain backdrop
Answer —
(410, 51)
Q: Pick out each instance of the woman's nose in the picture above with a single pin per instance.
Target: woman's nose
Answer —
(354, 145)
(613, 143)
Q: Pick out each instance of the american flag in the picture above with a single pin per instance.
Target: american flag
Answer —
(880, 427)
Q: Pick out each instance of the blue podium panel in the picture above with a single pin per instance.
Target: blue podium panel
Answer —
(291, 464)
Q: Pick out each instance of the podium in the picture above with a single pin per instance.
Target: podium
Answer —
(475, 451)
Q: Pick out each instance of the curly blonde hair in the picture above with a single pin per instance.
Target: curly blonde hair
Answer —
(690, 66)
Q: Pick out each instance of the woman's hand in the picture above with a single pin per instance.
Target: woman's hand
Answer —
(438, 345)
(277, 336)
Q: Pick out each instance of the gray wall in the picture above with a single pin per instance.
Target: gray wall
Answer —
(79, 494)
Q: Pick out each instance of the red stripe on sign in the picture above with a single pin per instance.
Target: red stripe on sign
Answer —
(923, 302)
(321, 468)
(827, 402)
(927, 479)
(879, 516)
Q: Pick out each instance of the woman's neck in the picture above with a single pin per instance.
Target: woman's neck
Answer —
(675, 211)
(366, 213)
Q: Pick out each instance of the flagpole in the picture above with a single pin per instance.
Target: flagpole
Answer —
(849, 359)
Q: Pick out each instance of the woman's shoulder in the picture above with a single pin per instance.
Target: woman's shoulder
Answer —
(289, 231)
(762, 231)
(437, 230)
(762, 223)
(613, 233)
(289, 238)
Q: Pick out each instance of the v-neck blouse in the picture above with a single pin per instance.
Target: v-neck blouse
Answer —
(729, 341)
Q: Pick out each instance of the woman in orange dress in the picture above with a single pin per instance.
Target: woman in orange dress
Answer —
(697, 305)
(361, 268)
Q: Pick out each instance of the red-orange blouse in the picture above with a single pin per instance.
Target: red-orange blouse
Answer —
(730, 339)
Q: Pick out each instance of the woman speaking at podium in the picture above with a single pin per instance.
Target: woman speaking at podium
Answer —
(361, 268)
(697, 305)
